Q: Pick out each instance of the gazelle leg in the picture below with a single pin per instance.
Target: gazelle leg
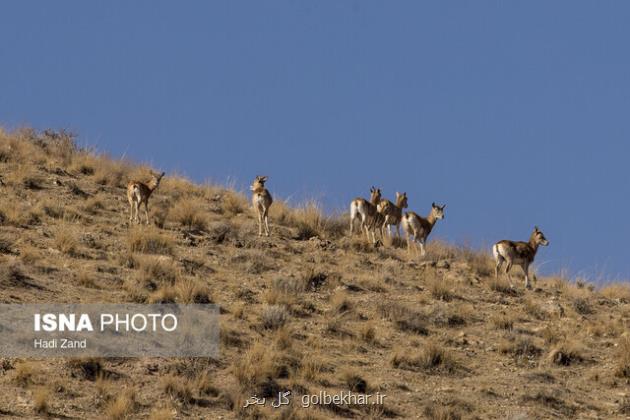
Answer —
(137, 210)
(423, 252)
(498, 267)
(398, 230)
(130, 212)
(508, 267)
(146, 211)
(266, 223)
(526, 270)
(351, 225)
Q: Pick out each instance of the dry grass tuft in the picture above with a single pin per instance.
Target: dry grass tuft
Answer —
(618, 291)
(25, 372)
(162, 414)
(122, 406)
(566, 353)
(404, 318)
(189, 214)
(503, 321)
(234, 203)
(432, 358)
(502, 285)
(41, 397)
(178, 388)
(520, 347)
(622, 368)
(354, 381)
(434, 411)
(87, 368)
(273, 317)
(191, 290)
(340, 303)
(66, 241)
(149, 240)
(440, 288)
(367, 333)
(256, 372)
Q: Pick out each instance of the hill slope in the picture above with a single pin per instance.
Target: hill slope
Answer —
(308, 309)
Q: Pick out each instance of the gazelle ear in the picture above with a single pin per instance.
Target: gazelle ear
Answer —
(444, 206)
(536, 229)
(433, 205)
(405, 194)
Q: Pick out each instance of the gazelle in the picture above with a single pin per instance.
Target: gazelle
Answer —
(392, 213)
(419, 227)
(519, 253)
(138, 193)
(367, 213)
(261, 200)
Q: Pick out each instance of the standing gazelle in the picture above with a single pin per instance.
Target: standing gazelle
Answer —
(519, 253)
(419, 227)
(139, 193)
(392, 213)
(367, 213)
(261, 200)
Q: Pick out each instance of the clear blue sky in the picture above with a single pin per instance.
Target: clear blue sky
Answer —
(511, 113)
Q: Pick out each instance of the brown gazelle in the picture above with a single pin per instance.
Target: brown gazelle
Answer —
(519, 253)
(392, 213)
(261, 200)
(419, 227)
(367, 213)
(138, 193)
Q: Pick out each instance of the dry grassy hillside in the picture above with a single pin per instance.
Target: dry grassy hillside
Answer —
(307, 309)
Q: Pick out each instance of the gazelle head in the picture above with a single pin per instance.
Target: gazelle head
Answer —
(437, 211)
(155, 180)
(259, 183)
(401, 200)
(538, 238)
(375, 195)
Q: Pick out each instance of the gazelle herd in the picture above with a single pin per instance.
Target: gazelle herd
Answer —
(375, 214)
